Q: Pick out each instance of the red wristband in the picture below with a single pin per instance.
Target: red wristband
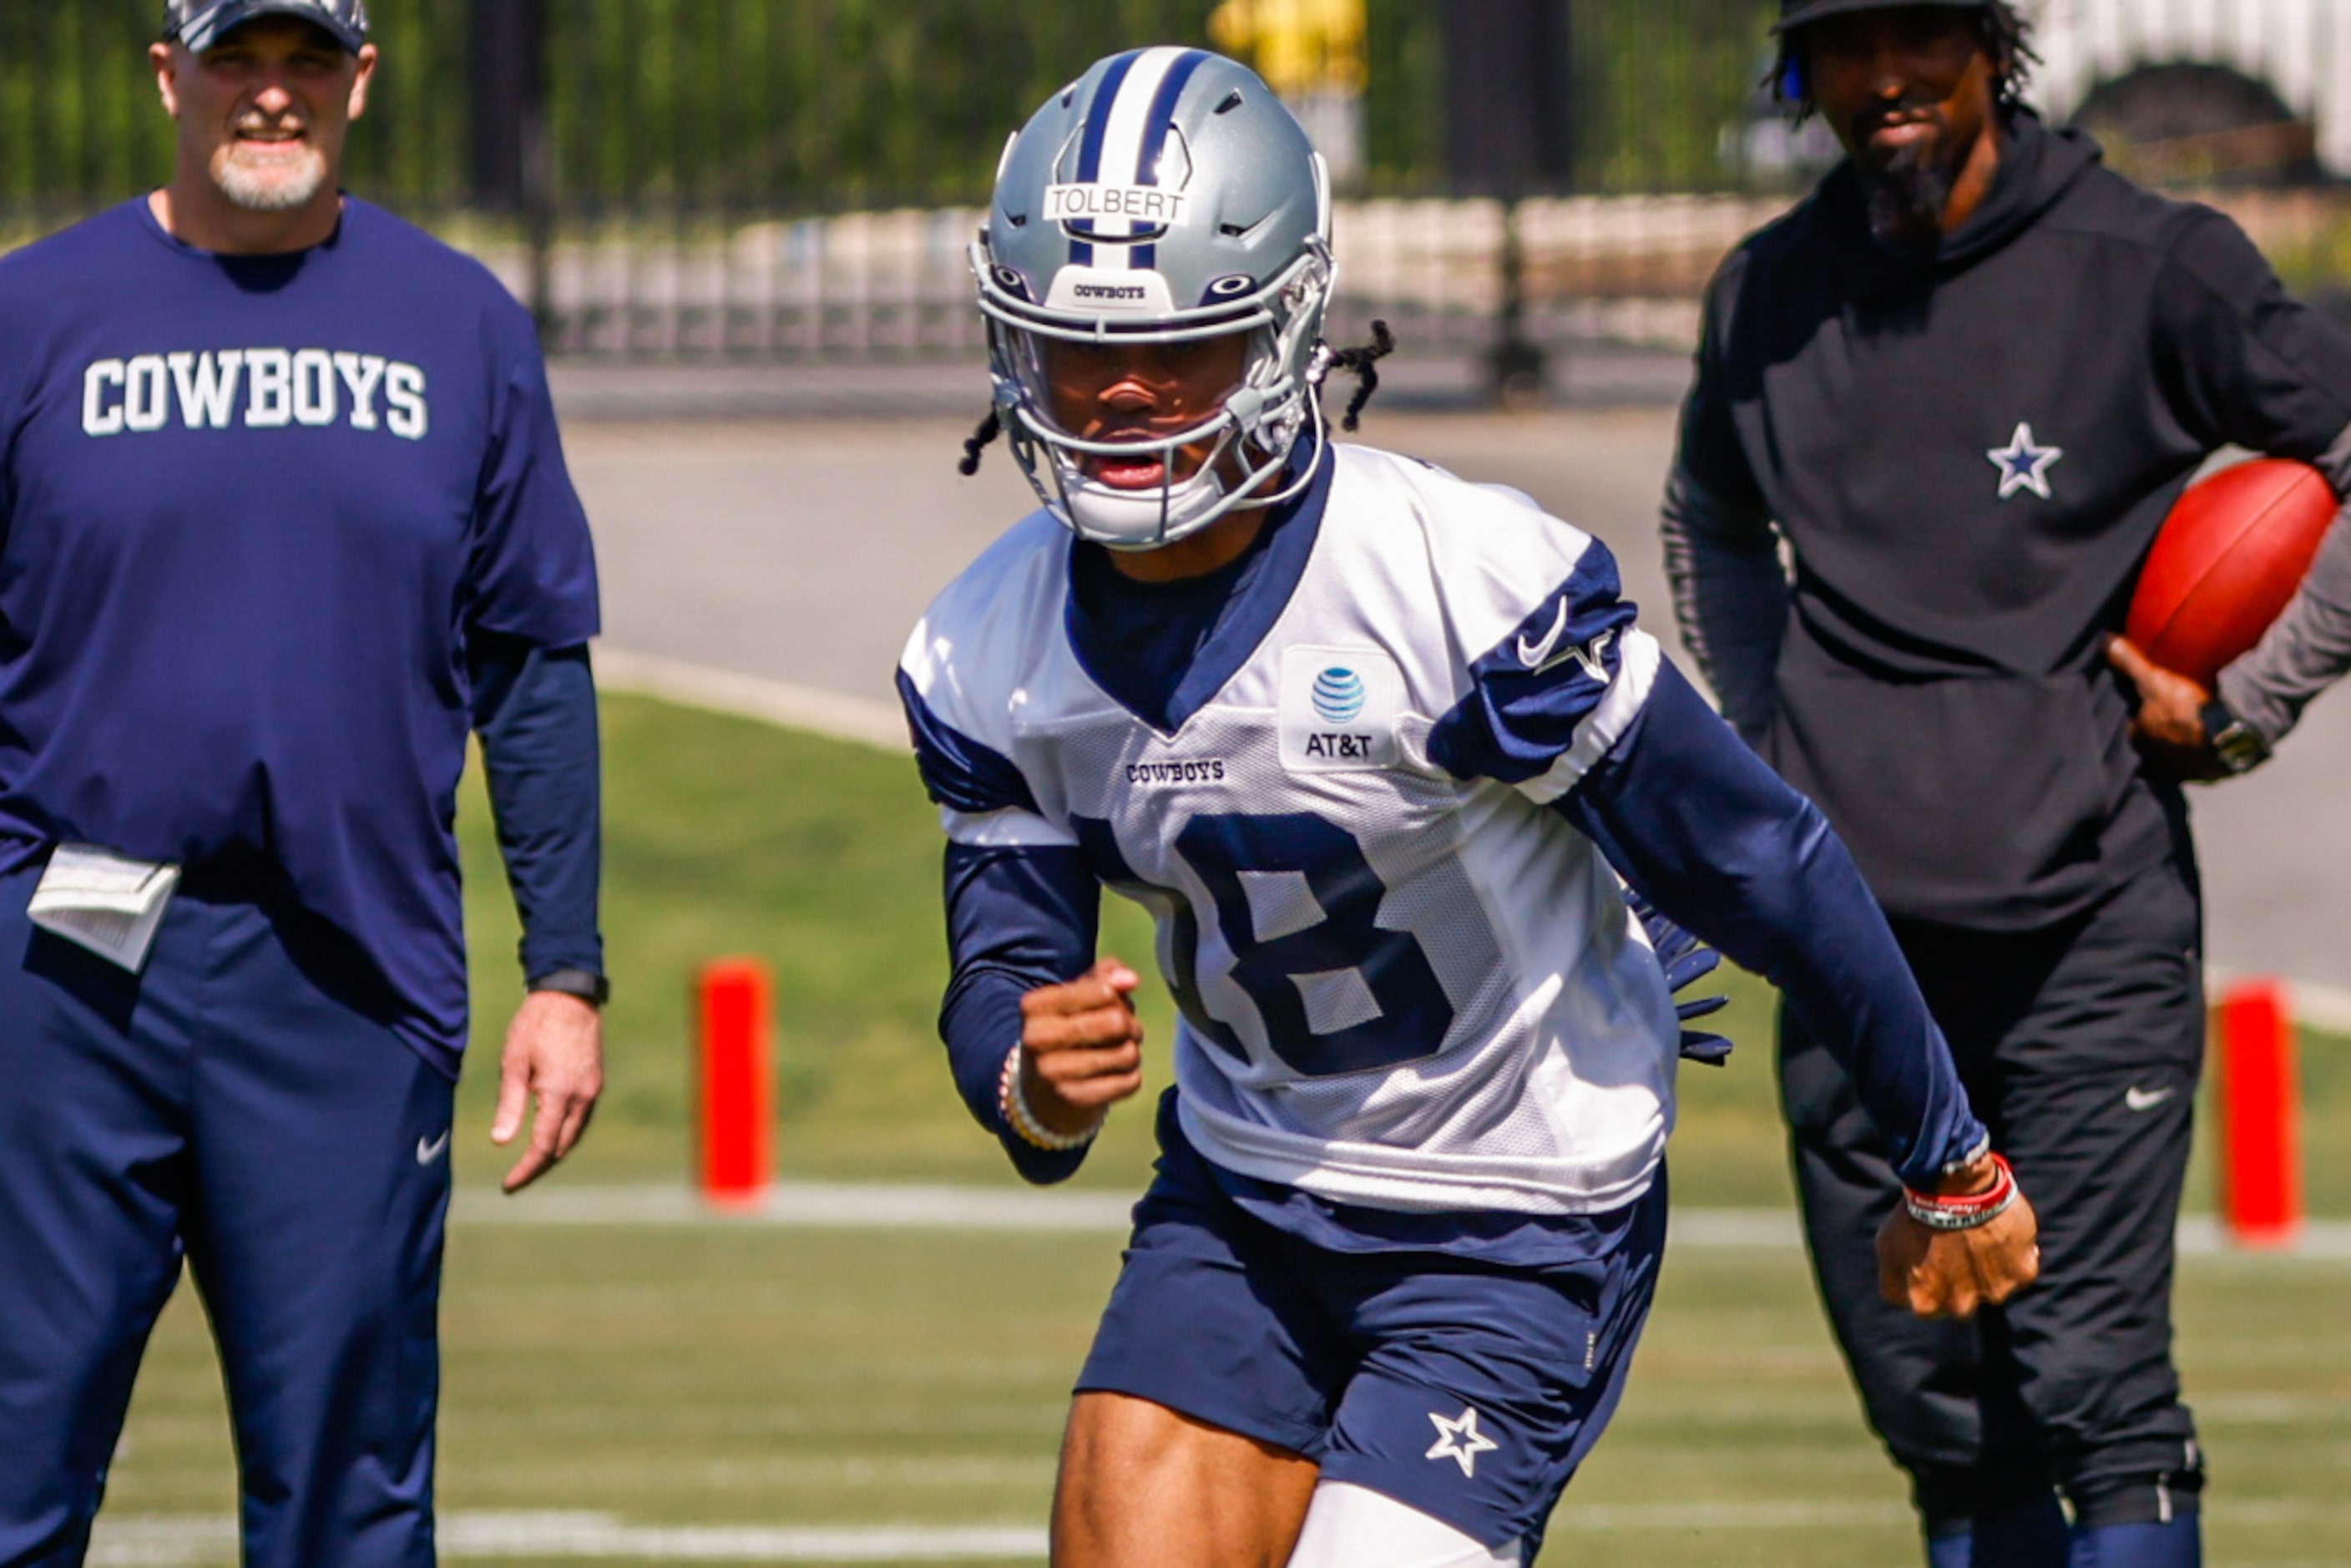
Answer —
(1968, 1210)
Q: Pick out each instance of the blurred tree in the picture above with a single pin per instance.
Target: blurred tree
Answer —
(806, 105)
(797, 104)
(1311, 53)
(1657, 86)
(69, 130)
(1663, 90)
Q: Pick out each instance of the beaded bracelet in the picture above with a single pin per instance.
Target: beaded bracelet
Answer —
(1969, 1211)
(1023, 1121)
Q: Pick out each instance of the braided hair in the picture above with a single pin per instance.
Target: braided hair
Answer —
(2001, 31)
(1361, 363)
(977, 441)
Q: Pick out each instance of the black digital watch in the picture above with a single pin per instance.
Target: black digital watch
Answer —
(2239, 745)
(586, 984)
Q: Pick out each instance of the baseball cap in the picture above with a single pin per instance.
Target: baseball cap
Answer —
(201, 23)
(1796, 13)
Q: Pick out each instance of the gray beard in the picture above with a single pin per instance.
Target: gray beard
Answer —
(1906, 198)
(258, 193)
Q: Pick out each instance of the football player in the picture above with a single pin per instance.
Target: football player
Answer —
(1375, 746)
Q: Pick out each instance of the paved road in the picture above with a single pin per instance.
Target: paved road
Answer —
(802, 552)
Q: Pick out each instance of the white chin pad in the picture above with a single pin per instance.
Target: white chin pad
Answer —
(1142, 519)
(1349, 1527)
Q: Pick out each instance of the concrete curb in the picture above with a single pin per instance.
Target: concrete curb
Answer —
(828, 713)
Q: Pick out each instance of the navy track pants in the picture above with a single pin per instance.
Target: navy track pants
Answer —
(231, 1107)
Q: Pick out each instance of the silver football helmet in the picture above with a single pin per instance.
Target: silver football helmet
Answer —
(1166, 195)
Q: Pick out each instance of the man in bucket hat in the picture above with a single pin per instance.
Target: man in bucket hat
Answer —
(1962, 385)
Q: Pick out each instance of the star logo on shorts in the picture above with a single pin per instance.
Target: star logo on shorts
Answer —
(2023, 464)
(1460, 1439)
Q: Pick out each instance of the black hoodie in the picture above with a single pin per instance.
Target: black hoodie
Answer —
(1969, 451)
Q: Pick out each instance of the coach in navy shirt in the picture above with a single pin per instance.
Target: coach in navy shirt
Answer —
(283, 516)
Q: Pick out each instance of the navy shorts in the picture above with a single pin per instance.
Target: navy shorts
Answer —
(1464, 1386)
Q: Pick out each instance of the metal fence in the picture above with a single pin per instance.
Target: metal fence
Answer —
(798, 178)
(893, 284)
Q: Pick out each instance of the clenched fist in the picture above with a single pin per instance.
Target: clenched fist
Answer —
(1952, 1273)
(1081, 1048)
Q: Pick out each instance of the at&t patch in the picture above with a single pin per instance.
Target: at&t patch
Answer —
(1339, 709)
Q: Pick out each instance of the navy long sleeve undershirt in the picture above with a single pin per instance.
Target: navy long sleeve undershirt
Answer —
(1700, 827)
(535, 710)
(1016, 919)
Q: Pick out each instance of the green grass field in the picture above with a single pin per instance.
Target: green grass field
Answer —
(744, 1375)
(739, 1376)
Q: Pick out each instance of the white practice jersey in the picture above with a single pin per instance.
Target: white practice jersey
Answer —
(1405, 982)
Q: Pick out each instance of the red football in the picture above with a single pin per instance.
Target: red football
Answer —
(2227, 561)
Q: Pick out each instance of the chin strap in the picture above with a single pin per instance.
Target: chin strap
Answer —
(977, 441)
(1363, 362)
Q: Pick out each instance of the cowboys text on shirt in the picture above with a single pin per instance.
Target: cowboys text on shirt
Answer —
(256, 389)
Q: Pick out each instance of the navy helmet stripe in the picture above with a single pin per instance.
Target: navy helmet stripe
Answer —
(1089, 146)
(1158, 125)
(1090, 149)
(1162, 117)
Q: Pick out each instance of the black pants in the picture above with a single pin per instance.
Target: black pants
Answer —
(2080, 1045)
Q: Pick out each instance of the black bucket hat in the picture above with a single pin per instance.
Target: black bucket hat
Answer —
(1796, 13)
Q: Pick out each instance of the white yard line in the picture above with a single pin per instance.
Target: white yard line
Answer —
(807, 1204)
(202, 1541)
(589, 1535)
(209, 1542)
(1604, 1518)
(847, 1205)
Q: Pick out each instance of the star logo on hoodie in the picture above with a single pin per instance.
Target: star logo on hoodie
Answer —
(2024, 465)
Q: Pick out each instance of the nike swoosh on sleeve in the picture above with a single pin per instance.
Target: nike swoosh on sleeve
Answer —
(1532, 656)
